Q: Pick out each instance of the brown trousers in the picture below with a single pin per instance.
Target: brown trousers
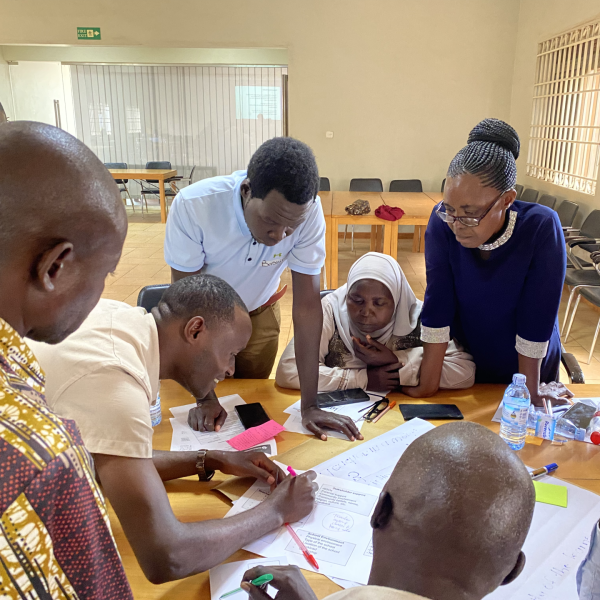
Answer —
(256, 360)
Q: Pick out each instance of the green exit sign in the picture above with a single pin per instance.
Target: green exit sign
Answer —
(88, 33)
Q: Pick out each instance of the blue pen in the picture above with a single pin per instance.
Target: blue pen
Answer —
(536, 473)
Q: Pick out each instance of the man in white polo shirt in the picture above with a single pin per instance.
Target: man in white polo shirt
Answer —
(246, 228)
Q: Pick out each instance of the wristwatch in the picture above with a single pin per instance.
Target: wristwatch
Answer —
(203, 474)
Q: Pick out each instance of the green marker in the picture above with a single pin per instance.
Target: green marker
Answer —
(262, 580)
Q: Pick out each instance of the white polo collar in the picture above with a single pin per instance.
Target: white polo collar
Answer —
(239, 209)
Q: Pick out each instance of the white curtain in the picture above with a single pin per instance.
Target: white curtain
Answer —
(213, 118)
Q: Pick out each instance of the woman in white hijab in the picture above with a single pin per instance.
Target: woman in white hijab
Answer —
(371, 335)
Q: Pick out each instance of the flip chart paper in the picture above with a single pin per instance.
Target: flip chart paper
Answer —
(549, 493)
(372, 462)
(337, 532)
(256, 435)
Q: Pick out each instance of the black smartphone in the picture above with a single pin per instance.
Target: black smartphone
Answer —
(430, 411)
(339, 397)
(252, 415)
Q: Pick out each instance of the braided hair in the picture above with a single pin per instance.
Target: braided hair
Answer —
(490, 153)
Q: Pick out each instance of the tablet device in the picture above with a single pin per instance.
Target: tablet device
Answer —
(252, 415)
(430, 411)
(339, 397)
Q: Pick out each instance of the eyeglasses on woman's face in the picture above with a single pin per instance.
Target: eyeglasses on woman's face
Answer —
(467, 221)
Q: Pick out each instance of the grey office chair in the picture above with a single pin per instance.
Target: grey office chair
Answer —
(519, 189)
(150, 186)
(122, 183)
(529, 195)
(566, 213)
(324, 185)
(150, 296)
(547, 200)
(362, 185)
(587, 238)
(366, 185)
(592, 295)
(443, 185)
(406, 185)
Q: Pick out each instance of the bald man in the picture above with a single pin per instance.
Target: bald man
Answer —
(449, 525)
(62, 228)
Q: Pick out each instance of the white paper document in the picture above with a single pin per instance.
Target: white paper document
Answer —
(372, 462)
(185, 438)
(228, 577)
(337, 532)
(294, 423)
(557, 542)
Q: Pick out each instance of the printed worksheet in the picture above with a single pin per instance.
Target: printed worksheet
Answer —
(337, 532)
(185, 438)
(372, 463)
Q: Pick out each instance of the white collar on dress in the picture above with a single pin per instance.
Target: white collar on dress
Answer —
(512, 219)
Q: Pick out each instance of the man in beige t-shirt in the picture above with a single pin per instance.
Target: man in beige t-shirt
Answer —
(106, 375)
(449, 525)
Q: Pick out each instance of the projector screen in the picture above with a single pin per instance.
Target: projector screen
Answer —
(252, 101)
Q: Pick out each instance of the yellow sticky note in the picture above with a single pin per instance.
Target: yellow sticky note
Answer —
(549, 493)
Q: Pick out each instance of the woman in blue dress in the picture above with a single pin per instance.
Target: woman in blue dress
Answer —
(495, 271)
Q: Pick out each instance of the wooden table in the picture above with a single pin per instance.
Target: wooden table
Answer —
(192, 501)
(416, 205)
(417, 209)
(149, 174)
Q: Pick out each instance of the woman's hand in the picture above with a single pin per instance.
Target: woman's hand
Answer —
(554, 391)
(383, 379)
(373, 353)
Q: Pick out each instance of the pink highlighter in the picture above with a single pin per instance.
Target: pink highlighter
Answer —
(309, 557)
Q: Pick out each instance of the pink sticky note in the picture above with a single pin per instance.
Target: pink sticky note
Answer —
(256, 435)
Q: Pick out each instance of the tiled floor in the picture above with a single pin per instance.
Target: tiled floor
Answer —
(143, 264)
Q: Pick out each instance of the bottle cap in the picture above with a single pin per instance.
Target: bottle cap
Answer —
(519, 379)
(595, 438)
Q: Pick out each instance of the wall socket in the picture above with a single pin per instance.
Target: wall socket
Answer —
(329, 134)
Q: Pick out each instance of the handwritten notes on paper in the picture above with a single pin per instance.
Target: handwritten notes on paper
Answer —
(557, 542)
(372, 463)
(337, 532)
(255, 435)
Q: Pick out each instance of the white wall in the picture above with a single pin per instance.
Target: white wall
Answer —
(145, 55)
(35, 87)
(399, 82)
(5, 92)
(538, 21)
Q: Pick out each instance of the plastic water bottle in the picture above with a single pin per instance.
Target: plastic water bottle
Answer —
(566, 430)
(593, 430)
(155, 412)
(515, 409)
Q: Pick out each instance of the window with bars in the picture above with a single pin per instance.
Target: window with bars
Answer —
(564, 146)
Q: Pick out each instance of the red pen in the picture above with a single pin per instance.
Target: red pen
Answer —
(309, 557)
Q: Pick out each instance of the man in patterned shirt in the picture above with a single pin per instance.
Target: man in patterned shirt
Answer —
(62, 227)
